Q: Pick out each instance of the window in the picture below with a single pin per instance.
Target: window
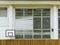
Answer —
(3, 17)
(58, 23)
(3, 12)
(32, 23)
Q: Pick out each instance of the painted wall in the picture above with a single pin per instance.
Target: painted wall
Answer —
(6, 23)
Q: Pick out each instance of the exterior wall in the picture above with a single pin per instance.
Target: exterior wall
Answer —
(11, 14)
(6, 23)
(2, 32)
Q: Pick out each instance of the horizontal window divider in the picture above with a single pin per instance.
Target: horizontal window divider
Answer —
(36, 16)
(46, 16)
(58, 16)
(41, 29)
(46, 33)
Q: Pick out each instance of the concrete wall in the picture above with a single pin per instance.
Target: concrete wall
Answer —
(8, 23)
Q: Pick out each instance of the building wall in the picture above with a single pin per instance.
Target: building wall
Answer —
(11, 14)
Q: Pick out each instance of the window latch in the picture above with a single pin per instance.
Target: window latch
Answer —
(52, 29)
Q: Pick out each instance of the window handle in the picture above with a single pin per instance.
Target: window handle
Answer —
(52, 29)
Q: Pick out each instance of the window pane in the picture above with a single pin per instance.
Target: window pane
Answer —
(58, 12)
(46, 31)
(46, 12)
(18, 36)
(28, 12)
(58, 36)
(19, 32)
(37, 23)
(46, 23)
(19, 12)
(28, 36)
(37, 36)
(59, 23)
(27, 30)
(3, 12)
(46, 36)
(37, 12)
(3, 17)
(37, 31)
(58, 31)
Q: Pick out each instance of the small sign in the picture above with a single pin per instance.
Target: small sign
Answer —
(9, 33)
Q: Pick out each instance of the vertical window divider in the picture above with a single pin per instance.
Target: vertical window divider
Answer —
(41, 23)
(33, 24)
(23, 29)
(51, 21)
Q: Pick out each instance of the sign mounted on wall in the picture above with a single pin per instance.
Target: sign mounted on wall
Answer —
(10, 33)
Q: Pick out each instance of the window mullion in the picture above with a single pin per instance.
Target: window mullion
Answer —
(33, 24)
(23, 29)
(41, 23)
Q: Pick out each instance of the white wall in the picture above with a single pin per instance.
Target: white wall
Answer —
(4, 25)
(6, 22)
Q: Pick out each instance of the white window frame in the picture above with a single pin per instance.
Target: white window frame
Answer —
(54, 19)
(50, 20)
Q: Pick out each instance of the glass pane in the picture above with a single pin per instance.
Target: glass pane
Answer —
(37, 31)
(58, 36)
(19, 32)
(3, 12)
(18, 36)
(37, 36)
(58, 12)
(46, 36)
(46, 12)
(19, 12)
(28, 12)
(37, 23)
(37, 12)
(58, 31)
(46, 23)
(46, 30)
(28, 36)
(27, 30)
(59, 23)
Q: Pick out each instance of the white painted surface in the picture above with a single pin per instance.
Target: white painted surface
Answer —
(3, 22)
(11, 17)
(7, 23)
(31, 2)
(2, 33)
(52, 23)
(24, 23)
(55, 13)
